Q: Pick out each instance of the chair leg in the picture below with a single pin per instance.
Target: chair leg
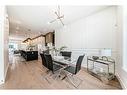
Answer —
(51, 74)
(71, 79)
(47, 80)
(58, 74)
(48, 74)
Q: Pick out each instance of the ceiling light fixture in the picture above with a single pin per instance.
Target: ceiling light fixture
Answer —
(59, 16)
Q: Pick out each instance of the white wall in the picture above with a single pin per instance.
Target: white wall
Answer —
(4, 32)
(90, 34)
(122, 45)
(125, 38)
(100, 29)
(1, 46)
(69, 36)
(95, 31)
(6, 43)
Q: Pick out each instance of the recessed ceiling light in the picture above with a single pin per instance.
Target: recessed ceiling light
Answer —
(48, 23)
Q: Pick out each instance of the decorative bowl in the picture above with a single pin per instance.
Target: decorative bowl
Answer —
(95, 57)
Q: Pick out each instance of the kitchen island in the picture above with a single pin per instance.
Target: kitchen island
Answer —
(29, 55)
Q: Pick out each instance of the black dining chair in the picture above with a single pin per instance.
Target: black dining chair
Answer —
(73, 70)
(52, 66)
(66, 54)
(43, 60)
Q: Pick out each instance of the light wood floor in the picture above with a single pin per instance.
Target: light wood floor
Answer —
(31, 76)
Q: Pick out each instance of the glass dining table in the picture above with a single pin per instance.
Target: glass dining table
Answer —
(61, 60)
(64, 62)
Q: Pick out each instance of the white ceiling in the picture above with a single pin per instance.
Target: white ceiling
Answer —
(36, 18)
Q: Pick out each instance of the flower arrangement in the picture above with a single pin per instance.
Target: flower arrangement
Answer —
(59, 49)
(62, 48)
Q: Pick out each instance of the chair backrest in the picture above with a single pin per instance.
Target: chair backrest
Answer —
(66, 53)
(78, 64)
(43, 60)
(49, 61)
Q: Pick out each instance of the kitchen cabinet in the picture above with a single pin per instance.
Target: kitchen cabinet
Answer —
(49, 38)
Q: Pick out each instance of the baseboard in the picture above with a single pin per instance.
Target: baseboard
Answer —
(5, 74)
(121, 82)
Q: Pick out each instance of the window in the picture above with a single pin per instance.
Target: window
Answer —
(11, 46)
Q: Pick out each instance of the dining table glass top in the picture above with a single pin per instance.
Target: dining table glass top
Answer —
(64, 60)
